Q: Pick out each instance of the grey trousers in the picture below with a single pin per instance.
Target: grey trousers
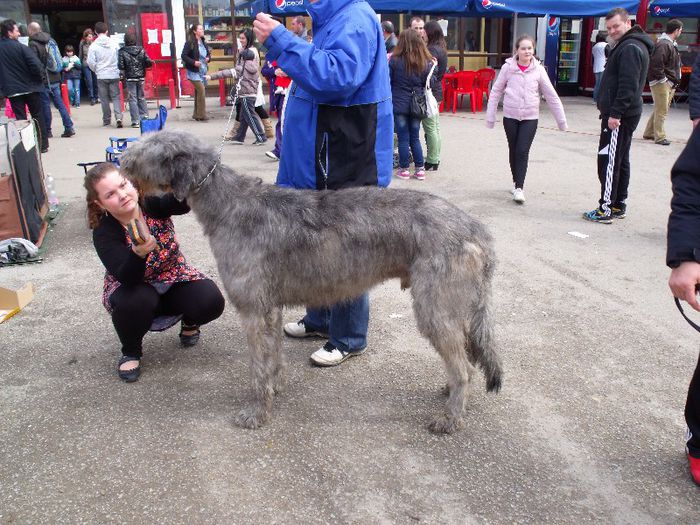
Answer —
(108, 90)
(137, 101)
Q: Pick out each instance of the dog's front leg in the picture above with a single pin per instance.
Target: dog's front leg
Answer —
(262, 370)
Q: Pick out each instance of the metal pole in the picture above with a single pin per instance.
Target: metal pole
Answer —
(515, 30)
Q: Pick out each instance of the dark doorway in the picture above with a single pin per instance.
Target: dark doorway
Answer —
(65, 20)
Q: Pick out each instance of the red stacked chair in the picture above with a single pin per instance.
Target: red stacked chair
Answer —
(465, 86)
(482, 84)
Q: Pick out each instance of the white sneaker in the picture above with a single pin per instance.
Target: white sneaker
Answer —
(236, 142)
(519, 195)
(299, 330)
(271, 155)
(329, 355)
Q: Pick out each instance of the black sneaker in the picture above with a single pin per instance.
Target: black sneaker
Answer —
(618, 213)
(597, 215)
(68, 133)
(119, 124)
(135, 125)
(664, 142)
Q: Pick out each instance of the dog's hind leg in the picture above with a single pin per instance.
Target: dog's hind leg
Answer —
(279, 357)
(259, 332)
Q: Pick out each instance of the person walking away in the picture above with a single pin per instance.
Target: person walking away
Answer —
(664, 77)
(88, 74)
(520, 84)
(22, 78)
(72, 72)
(133, 62)
(431, 125)
(599, 59)
(683, 257)
(339, 102)
(620, 107)
(147, 286)
(409, 68)
(102, 59)
(42, 44)
(196, 55)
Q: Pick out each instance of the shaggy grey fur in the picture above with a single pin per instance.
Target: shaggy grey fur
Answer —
(280, 247)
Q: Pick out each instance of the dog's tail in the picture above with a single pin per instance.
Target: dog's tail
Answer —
(482, 347)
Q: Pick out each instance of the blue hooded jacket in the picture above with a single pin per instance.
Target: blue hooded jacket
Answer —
(338, 122)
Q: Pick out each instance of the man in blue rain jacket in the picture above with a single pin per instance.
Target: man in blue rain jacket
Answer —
(337, 132)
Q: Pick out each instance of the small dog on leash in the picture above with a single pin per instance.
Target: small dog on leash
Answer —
(278, 247)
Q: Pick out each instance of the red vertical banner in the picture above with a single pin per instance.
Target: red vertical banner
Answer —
(152, 26)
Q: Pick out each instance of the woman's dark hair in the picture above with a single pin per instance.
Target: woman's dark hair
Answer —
(413, 51)
(436, 37)
(69, 48)
(600, 37)
(7, 27)
(192, 34)
(93, 176)
(248, 36)
(129, 39)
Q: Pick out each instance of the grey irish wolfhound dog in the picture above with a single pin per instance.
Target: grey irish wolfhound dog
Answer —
(279, 247)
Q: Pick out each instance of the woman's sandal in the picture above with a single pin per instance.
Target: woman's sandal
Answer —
(128, 376)
(189, 340)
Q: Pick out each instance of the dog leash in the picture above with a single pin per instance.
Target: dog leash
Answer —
(237, 88)
(680, 309)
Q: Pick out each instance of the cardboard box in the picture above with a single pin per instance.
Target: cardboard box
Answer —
(12, 301)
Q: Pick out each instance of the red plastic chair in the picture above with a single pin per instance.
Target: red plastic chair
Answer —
(483, 84)
(465, 86)
(447, 88)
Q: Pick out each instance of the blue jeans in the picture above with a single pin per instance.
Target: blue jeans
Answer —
(596, 88)
(345, 323)
(408, 131)
(74, 91)
(90, 83)
(53, 94)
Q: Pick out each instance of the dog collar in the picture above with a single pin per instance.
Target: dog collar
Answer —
(201, 182)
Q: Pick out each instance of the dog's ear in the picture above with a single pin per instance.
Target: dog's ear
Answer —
(181, 182)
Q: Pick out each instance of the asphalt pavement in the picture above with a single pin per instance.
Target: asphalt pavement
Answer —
(588, 427)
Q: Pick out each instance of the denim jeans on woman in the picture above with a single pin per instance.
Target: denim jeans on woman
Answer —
(407, 130)
(53, 94)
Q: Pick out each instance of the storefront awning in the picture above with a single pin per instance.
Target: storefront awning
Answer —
(675, 8)
(565, 8)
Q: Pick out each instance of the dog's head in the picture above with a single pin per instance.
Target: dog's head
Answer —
(168, 161)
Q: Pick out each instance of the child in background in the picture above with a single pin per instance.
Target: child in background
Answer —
(133, 62)
(72, 71)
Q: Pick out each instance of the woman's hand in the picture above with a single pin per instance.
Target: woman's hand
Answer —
(207, 77)
(142, 250)
(197, 63)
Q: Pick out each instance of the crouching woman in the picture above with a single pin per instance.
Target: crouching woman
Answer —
(147, 286)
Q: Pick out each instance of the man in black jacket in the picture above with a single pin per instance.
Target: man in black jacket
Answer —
(694, 101)
(683, 256)
(664, 78)
(21, 78)
(133, 61)
(620, 106)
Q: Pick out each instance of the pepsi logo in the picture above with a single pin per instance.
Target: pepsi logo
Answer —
(486, 3)
(280, 4)
(657, 9)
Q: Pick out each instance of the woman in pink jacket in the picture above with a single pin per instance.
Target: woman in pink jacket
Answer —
(520, 83)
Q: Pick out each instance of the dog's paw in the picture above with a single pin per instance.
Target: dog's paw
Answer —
(252, 417)
(444, 424)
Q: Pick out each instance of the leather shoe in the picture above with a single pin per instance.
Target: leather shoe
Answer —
(128, 376)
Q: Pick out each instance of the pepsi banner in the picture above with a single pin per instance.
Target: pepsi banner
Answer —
(297, 7)
(287, 7)
(564, 8)
(675, 8)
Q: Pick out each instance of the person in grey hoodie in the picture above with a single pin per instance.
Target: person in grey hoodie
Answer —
(102, 59)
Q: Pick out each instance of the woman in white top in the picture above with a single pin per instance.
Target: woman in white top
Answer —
(599, 60)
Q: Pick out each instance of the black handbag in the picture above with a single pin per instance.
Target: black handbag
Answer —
(419, 106)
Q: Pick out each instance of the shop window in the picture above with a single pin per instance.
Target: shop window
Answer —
(14, 10)
(687, 42)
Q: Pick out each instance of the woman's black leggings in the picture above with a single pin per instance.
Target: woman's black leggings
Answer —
(520, 134)
(135, 307)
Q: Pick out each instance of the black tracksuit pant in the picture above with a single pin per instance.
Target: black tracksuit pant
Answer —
(692, 413)
(135, 307)
(520, 134)
(614, 163)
